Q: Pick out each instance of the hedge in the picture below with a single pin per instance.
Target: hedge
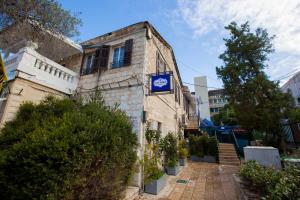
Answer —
(64, 149)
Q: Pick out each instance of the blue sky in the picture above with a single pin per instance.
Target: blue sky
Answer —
(195, 28)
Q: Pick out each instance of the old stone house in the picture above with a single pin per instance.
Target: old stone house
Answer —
(120, 64)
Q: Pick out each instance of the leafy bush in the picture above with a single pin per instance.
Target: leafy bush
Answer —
(170, 149)
(152, 156)
(182, 150)
(203, 145)
(212, 146)
(273, 184)
(64, 149)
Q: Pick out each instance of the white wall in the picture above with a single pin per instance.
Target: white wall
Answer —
(201, 93)
(293, 85)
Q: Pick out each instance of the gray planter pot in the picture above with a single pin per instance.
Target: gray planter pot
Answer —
(209, 159)
(196, 158)
(182, 162)
(173, 170)
(156, 186)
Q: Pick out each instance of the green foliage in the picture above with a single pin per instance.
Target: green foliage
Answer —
(226, 116)
(48, 14)
(294, 115)
(273, 184)
(257, 102)
(203, 145)
(151, 170)
(64, 149)
(182, 149)
(170, 149)
(152, 156)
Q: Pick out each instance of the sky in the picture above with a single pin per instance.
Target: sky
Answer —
(195, 29)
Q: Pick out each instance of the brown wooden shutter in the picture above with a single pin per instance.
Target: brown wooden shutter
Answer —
(82, 63)
(103, 57)
(95, 65)
(128, 52)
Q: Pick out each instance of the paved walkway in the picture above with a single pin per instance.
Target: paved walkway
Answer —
(204, 181)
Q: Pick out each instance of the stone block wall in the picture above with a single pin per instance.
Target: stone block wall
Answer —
(23, 91)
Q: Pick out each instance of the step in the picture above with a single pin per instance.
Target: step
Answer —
(227, 152)
(228, 157)
(230, 161)
(225, 162)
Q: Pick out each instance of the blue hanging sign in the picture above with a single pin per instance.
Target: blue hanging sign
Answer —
(160, 83)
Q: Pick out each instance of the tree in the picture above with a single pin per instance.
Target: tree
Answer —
(43, 14)
(64, 149)
(258, 102)
(226, 116)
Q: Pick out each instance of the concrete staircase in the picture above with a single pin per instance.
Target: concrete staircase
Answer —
(228, 155)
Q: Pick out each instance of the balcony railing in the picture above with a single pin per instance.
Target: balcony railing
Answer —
(193, 121)
(34, 67)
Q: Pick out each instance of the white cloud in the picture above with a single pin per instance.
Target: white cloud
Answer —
(279, 17)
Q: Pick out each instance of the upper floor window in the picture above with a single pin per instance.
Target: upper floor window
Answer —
(160, 64)
(122, 55)
(88, 65)
(118, 57)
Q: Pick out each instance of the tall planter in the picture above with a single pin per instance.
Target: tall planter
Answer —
(173, 170)
(155, 186)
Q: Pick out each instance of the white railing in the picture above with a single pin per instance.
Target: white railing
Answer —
(32, 66)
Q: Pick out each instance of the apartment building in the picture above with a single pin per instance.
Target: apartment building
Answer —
(217, 100)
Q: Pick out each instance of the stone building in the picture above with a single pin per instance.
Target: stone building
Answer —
(120, 64)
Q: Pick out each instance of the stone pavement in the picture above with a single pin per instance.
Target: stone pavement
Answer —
(204, 181)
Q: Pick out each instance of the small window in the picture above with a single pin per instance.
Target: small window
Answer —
(118, 57)
(87, 69)
(159, 126)
(160, 64)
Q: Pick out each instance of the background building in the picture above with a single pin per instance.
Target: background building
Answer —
(293, 87)
(201, 94)
(217, 100)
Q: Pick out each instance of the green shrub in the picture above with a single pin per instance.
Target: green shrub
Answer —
(212, 146)
(64, 149)
(203, 145)
(272, 184)
(170, 149)
(152, 156)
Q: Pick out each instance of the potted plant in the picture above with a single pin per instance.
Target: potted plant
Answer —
(203, 148)
(182, 153)
(170, 150)
(154, 177)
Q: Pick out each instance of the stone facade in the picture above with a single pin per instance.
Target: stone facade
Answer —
(21, 91)
(125, 86)
(128, 86)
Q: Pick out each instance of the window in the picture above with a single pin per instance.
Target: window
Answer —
(88, 64)
(160, 64)
(118, 57)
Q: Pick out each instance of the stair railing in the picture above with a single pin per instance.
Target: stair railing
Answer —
(236, 144)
